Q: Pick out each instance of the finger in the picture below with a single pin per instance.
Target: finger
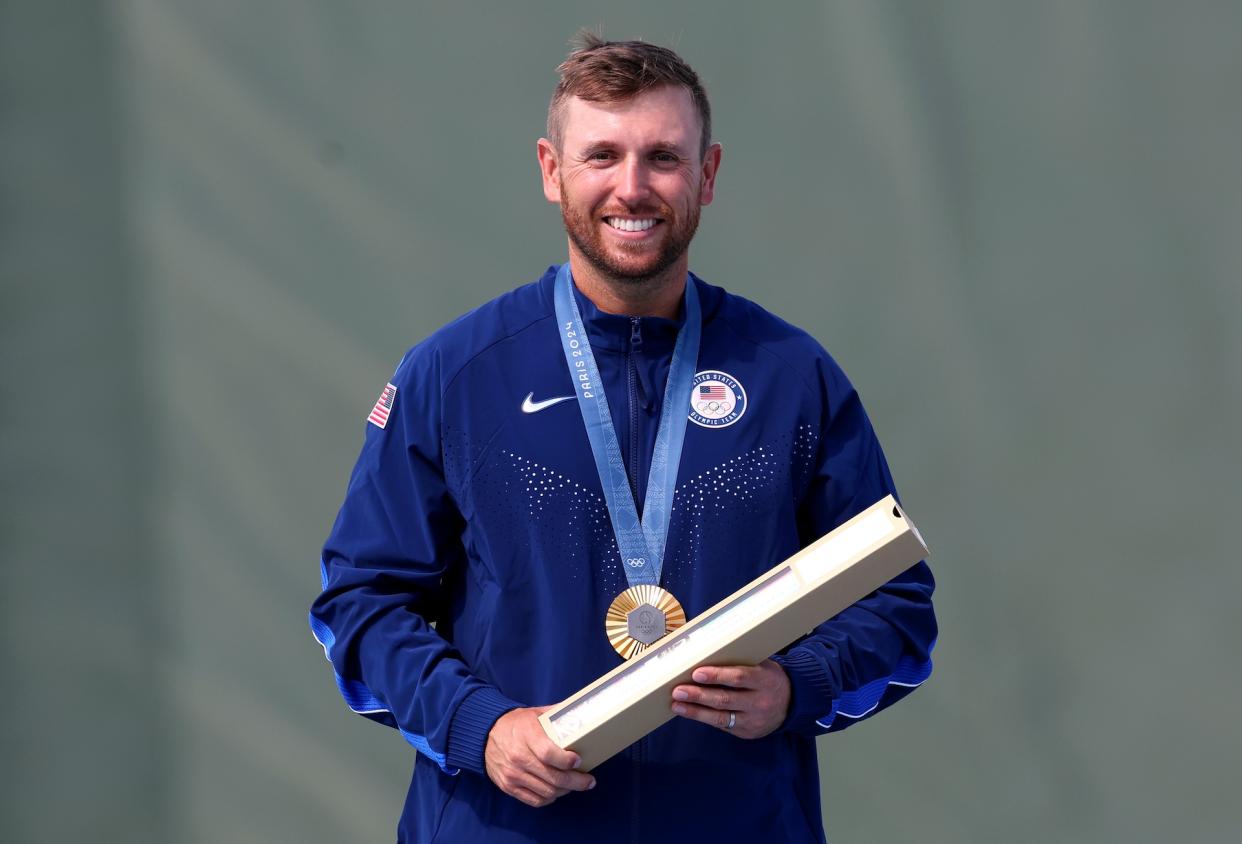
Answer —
(528, 797)
(537, 785)
(715, 697)
(712, 717)
(551, 764)
(736, 676)
(570, 780)
(554, 757)
(554, 778)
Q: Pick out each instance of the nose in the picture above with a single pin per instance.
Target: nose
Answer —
(632, 182)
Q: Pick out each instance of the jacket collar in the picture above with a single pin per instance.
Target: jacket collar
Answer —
(612, 332)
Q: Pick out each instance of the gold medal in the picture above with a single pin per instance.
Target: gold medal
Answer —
(640, 616)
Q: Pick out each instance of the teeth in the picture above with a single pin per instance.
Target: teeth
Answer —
(630, 225)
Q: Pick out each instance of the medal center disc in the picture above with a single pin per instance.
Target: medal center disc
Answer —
(645, 623)
(641, 616)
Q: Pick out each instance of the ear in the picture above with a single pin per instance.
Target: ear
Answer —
(711, 166)
(549, 169)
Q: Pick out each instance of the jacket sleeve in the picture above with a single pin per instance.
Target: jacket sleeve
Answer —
(397, 534)
(877, 651)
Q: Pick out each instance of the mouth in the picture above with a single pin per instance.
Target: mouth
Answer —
(632, 224)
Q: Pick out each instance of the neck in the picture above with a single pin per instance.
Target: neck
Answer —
(659, 295)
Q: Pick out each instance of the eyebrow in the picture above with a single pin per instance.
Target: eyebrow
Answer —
(603, 143)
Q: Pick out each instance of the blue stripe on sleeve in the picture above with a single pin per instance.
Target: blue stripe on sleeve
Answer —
(323, 635)
(360, 699)
(420, 744)
(862, 701)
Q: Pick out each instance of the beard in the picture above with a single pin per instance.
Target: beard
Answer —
(630, 263)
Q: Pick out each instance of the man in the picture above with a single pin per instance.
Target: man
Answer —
(617, 423)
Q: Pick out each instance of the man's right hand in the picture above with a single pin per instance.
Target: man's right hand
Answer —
(525, 763)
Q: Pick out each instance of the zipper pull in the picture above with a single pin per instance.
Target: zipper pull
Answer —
(636, 334)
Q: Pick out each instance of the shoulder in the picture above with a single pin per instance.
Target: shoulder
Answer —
(439, 358)
(784, 344)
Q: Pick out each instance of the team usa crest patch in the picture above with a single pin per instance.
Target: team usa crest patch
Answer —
(383, 407)
(717, 400)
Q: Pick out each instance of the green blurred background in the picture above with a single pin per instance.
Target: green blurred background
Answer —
(1017, 225)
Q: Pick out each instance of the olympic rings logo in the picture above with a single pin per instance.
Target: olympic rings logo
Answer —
(636, 562)
(716, 408)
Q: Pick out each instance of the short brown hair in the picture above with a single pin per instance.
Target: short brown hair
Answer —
(600, 71)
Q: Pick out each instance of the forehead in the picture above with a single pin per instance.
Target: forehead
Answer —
(661, 115)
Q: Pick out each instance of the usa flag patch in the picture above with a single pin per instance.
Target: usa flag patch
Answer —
(383, 407)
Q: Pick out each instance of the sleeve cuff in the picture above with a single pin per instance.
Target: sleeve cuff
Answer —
(810, 690)
(471, 724)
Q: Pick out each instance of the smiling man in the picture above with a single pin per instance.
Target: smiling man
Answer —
(617, 434)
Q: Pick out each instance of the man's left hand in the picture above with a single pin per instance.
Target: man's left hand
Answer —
(756, 696)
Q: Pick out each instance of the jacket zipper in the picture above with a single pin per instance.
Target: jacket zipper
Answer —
(636, 347)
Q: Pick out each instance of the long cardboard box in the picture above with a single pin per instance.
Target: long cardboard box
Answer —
(745, 628)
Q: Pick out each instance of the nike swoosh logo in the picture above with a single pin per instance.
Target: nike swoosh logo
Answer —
(529, 406)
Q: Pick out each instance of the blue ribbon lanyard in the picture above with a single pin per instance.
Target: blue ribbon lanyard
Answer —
(640, 542)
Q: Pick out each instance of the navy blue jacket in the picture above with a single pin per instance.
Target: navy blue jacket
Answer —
(471, 514)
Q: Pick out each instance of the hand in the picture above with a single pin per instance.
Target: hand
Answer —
(526, 764)
(757, 695)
